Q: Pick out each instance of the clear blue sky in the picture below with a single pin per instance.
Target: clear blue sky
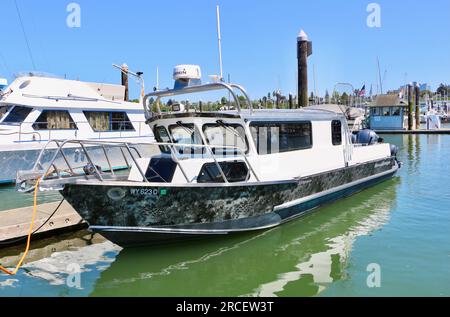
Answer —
(259, 40)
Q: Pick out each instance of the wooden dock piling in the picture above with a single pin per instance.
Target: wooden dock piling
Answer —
(410, 107)
(417, 102)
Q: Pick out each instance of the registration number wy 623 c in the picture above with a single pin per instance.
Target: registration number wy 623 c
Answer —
(148, 191)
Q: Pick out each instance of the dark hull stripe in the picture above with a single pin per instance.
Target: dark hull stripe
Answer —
(149, 236)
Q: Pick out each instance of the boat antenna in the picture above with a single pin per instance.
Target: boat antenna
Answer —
(138, 75)
(219, 38)
(25, 36)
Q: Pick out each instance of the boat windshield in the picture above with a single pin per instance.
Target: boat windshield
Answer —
(185, 134)
(229, 135)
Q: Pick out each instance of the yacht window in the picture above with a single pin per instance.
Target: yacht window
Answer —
(17, 115)
(54, 120)
(336, 132)
(185, 134)
(109, 121)
(222, 134)
(3, 110)
(273, 138)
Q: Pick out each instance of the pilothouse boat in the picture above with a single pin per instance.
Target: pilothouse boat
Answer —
(221, 172)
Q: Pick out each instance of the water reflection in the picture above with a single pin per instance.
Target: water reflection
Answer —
(297, 259)
(50, 262)
(301, 258)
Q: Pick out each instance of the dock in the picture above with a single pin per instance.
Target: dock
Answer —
(15, 223)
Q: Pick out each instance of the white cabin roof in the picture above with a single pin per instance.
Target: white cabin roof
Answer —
(44, 92)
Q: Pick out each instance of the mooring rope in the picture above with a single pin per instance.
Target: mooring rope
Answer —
(30, 233)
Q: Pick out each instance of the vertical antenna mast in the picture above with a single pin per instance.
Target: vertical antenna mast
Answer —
(219, 37)
(157, 77)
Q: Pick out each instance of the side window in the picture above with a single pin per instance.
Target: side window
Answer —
(162, 136)
(273, 138)
(54, 120)
(17, 115)
(105, 121)
(396, 111)
(336, 132)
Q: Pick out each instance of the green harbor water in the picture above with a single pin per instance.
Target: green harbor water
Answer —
(400, 227)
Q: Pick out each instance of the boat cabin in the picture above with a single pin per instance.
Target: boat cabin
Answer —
(246, 144)
(389, 112)
(38, 109)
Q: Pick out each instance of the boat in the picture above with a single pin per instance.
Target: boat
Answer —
(220, 172)
(35, 109)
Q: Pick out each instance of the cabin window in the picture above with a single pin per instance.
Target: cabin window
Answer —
(234, 172)
(336, 132)
(162, 136)
(17, 115)
(377, 111)
(54, 120)
(396, 111)
(220, 134)
(4, 110)
(387, 111)
(185, 134)
(109, 121)
(271, 138)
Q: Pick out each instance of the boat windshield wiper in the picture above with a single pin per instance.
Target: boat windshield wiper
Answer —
(183, 126)
(227, 127)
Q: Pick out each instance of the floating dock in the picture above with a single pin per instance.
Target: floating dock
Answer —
(15, 223)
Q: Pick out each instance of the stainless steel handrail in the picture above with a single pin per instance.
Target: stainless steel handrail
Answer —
(84, 144)
(195, 89)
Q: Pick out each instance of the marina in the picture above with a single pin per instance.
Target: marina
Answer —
(215, 180)
(323, 254)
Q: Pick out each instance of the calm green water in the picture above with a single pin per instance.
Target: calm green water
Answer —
(402, 225)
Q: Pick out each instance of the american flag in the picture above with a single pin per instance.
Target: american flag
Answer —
(362, 92)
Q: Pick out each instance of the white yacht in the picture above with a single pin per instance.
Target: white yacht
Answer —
(223, 172)
(34, 110)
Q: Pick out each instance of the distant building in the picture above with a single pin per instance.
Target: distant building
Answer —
(388, 112)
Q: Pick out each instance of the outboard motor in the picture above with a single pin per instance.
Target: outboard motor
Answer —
(394, 150)
(366, 137)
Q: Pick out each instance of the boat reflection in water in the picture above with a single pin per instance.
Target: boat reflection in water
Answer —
(298, 259)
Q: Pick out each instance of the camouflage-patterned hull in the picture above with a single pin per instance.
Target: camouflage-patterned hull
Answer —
(137, 214)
